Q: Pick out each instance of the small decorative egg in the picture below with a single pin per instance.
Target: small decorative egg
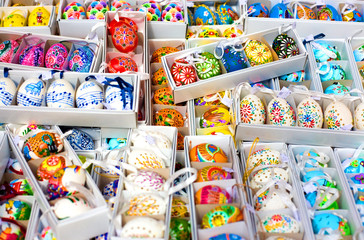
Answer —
(207, 32)
(227, 236)
(15, 19)
(265, 175)
(21, 187)
(337, 89)
(159, 77)
(359, 53)
(39, 17)
(323, 199)
(306, 13)
(152, 9)
(323, 221)
(280, 223)
(257, 53)
(163, 96)
(211, 173)
(160, 52)
(276, 201)
(111, 189)
(281, 113)
(318, 176)
(210, 67)
(252, 110)
(120, 4)
(350, 14)
(144, 181)
(80, 140)
(173, 13)
(179, 208)
(143, 227)
(151, 139)
(97, 10)
(60, 94)
(168, 117)
(15, 209)
(145, 159)
(89, 95)
(221, 215)
(309, 114)
(50, 166)
(316, 159)
(328, 13)
(336, 72)
(56, 56)
(47, 234)
(32, 55)
(232, 32)
(280, 10)
(81, 59)
(122, 64)
(8, 50)
(10, 229)
(233, 60)
(212, 194)
(265, 156)
(258, 10)
(26, 129)
(116, 143)
(119, 99)
(337, 115)
(74, 10)
(211, 100)
(285, 46)
(359, 117)
(114, 25)
(225, 14)
(204, 16)
(146, 204)
(206, 152)
(214, 117)
(14, 167)
(124, 35)
(7, 91)
(183, 74)
(42, 144)
(179, 229)
(325, 52)
(72, 206)
(294, 77)
(58, 182)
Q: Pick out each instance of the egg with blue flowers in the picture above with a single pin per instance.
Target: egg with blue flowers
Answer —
(280, 10)
(81, 59)
(309, 114)
(280, 113)
(324, 51)
(89, 95)
(332, 72)
(31, 93)
(258, 10)
(60, 94)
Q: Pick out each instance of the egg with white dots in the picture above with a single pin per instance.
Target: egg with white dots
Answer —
(31, 93)
(89, 95)
(115, 99)
(338, 116)
(359, 117)
(60, 94)
(7, 91)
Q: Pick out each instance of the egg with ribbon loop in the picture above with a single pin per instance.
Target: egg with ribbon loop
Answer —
(338, 116)
(168, 117)
(221, 215)
(318, 176)
(39, 16)
(211, 99)
(351, 165)
(272, 199)
(285, 46)
(304, 12)
(215, 117)
(233, 58)
(42, 144)
(257, 53)
(144, 181)
(21, 187)
(298, 76)
(80, 140)
(264, 156)
(32, 55)
(280, 223)
(89, 95)
(322, 222)
(81, 59)
(97, 10)
(7, 91)
(232, 32)
(179, 208)
(173, 13)
(31, 93)
(111, 189)
(327, 199)
(124, 34)
(331, 71)
(14, 167)
(313, 158)
(14, 19)
(8, 50)
(265, 175)
(328, 13)
(60, 94)
(325, 52)
(252, 110)
(351, 14)
(280, 10)
(122, 64)
(281, 113)
(337, 89)
(209, 67)
(204, 16)
(152, 9)
(183, 72)
(74, 10)
(56, 56)
(309, 114)
(152, 140)
(258, 10)
(119, 95)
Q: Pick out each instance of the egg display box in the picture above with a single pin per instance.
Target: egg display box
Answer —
(226, 81)
(26, 10)
(305, 27)
(353, 43)
(242, 228)
(347, 208)
(89, 224)
(71, 116)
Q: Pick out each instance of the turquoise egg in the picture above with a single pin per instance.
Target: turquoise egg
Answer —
(359, 54)
(336, 72)
(294, 77)
(321, 178)
(258, 10)
(356, 166)
(337, 89)
(280, 10)
(330, 221)
(321, 52)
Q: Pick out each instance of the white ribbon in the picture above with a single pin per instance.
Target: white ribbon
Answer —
(295, 5)
(326, 51)
(321, 72)
(355, 156)
(235, 43)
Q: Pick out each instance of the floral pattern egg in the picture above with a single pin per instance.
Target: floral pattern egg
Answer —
(89, 95)
(281, 113)
(280, 223)
(257, 53)
(31, 93)
(225, 14)
(294, 77)
(328, 13)
(97, 10)
(173, 13)
(152, 9)
(285, 46)
(212, 173)
(232, 32)
(324, 221)
(324, 51)
(42, 145)
(215, 117)
(350, 14)
(50, 166)
(179, 229)
(74, 10)
(309, 114)
(233, 60)
(145, 159)
(207, 32)
(32, 55)
(280, 10)
(38, 17)
(159, 77)
(160, 52)
(337, 89)
(212, 194)
(124, 35)
(210, 67)
(359, 117)
(304, 12)
(81, 59)
(204, 16)
(7, 91)
(265, 156)
(168, 117)
(183, 73)
(338, 116)
(221, 215)
(146, 204)
(8, 49)
(179, 208)
(335, 72)
(15, 209)
(206, 152)
(252, 110)
(351, 165)
(56, 56)
(258, 10)
(122, 64)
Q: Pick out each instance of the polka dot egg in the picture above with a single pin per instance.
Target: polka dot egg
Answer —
(272, 200)
(97, 10)
(173, 13)
(252, 110)
(337, 115)
(281, 113)
(265, 175)
(359, 117)
(280, 223)
(146, 204)
(265, 156)
(309, 114)
(74, 10)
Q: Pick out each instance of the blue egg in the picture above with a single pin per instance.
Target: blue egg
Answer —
(356, 166)
(294, 77)
(80, 140)
(116, 143)
(204, 16)
(226, 236)
(280, 10)
(328, 13)
(322, 52)
(350, 15)
(337, 89)
(234, 60)
(222, 14)
(359, 54)
(81, 59)
(320, 174)
(313, 159)
(258, 10)
(336, 72)
(331, 221)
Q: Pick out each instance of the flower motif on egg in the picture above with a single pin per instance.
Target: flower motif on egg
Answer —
(252, 110)
(309, 114)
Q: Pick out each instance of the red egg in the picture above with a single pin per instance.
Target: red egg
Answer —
(122, 64)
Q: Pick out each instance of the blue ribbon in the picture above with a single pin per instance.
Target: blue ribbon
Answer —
(318, 36)
(6, 72)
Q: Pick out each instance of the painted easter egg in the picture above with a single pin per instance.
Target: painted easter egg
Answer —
(280, 223)
(47, 234)
(275, 202)
(60, 94)
(305, 12)
(337, 116)
(160, 52)
(179, 208)
(280, 10)
(312, 158)
(212, 194)
(8, 50)
(265, 175)
(206, 152)
(168, 117)
(359, 53)
(159, 77)
(227, 236)
(152, 9)
(285, 46)
(145, 159)
(179, 229)
(97, 10)
(221, 215)
(281, 113)
(211, 173)
(80, 140)
(110, 189)
(183, 73)
(257, 53)
(265, 156)
(68, 207)
(324, 51)
(10, 229)
(116, 143)
(7, 91)
(42, 144)
(122, 64)
(319, 176)
(337, 89)
(120, 4)
(258, 10)
(119, 99)
(252, 110)
(89, 95)
(327, 200)
(26, 129)
(233, 60)
(225, 14)
(180, 141)
(56, 56)
(173, 13)
(163, 96)
(210, 66)
(215, 117)
(74, 10)
(207, 32)
(32, 55)
(335, 72)
(204, 16)
(50, 166)
(351, 165)
(232, 32)
(15, 209)
(14, 19)
(31, 93)
(328, 13)
(144, 181)
(146, 204)
(143, 227)
(81, 59)
(323, 221)
(39, 16)
(21, 187)
(294, 77)
(124, 36)
(350, 14)
(149, 139)
(211, 99)
(309, 114)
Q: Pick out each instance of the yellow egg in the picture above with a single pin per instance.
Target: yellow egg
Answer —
(39, 17)
(14, 19)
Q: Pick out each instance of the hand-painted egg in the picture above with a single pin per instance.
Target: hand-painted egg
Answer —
(173, 13)
(151, 140)
(15, 19)
(204, 16)
(233, 60)
(309, 114)
(179, 208)
(26, 129)
(327, 200)
(312, 158)
(57, 185)
(119, 99)
(21, 187)
(159, 77)
(152, 9)
(124, 35)
(47, 234)
(351, 15)
(8, 50)
(144, 181)
(168, 117)
(97, 10)
(252, 110)
(264, 156)
(80, 140)
(60, 94)
(116, 143)
(318, 176)
(294, 77)
(337, 89)
(122, 64)
(227, 236)
(335, 72)
(10, 229)
(324, 51)
(259, 85)
(160, 52)
(74, 10)
(111, 189)
(257, 53)
(212, 194)
(143, 227)
(215, 117)
(39, 17)
(276, 201)
(42, 145)
(258, 10)
(145, 159)
(280, 10)
(81, 59)
(68, 207)
(207, 32)
(15, 209)
(328, 13)
(7, 91)
(281, 113)
(304, 12)
(359, 53)
(104, 236)
(338, 116)
(285, 46)
(225, 14)
(190, 20)
(280, 223)
(232, 32)
(359, 117)
(211, 173)
(146, 204)
(32, 55)
(183, 73)
(89, 95)
(210, 67)
(120, 4)
(265, 175)
(221, 215)
(14, 167)
(179, 229)
(163, 96)
(50, 166)
(324, 221)
(56, 56)
(206, 152)
(211, 99)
